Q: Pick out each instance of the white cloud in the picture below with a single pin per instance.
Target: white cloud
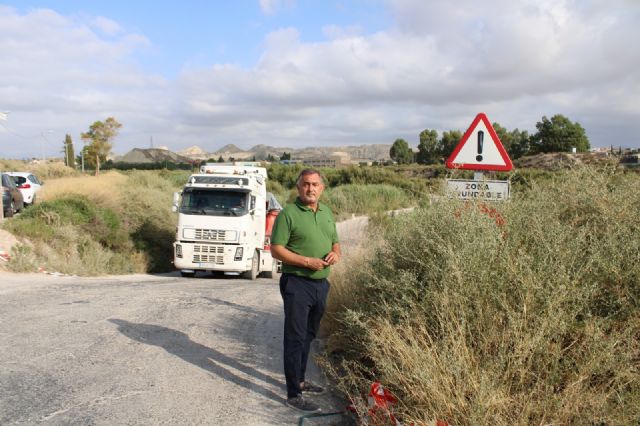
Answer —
(436, 67)
(271, 7)
(107, 26)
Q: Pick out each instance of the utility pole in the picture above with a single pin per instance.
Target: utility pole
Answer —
(44, 143)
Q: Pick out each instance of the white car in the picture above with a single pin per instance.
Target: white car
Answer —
(28, 184)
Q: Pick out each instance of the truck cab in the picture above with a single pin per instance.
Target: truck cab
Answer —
(224, 218)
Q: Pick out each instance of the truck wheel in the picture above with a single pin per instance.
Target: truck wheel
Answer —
(187, 274)
(252, 274)
(273, 273)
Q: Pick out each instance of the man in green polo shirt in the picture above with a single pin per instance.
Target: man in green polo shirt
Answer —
(304, 238)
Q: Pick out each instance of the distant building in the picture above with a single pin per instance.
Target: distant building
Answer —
(336, 159)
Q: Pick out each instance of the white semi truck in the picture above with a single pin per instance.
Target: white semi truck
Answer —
(225, 216)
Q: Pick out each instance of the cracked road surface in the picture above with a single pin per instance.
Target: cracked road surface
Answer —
(143, 349)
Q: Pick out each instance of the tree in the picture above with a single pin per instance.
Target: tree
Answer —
(428, 147)
(559, 135)
(449, 142)
(400, 152)
(100, 137)
(285, 156)
(503, 135)
(220, 159)
(515, 142)
(519, 143)
(69, 155)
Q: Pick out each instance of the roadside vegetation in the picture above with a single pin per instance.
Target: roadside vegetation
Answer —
(121, 221)
(362, 190)
(517, 313)
(114, 223)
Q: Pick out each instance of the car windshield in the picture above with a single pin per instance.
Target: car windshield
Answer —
(214, 202)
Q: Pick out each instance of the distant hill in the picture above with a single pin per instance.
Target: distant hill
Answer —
(228, 148)
(191, 151)
(259, 152)
(151, 155)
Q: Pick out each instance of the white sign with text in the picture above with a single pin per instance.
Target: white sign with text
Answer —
(488, 190)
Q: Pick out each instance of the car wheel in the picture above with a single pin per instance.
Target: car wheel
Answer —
(10, 211)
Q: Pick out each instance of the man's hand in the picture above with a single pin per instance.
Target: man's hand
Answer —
(315, 264)
(332, 258)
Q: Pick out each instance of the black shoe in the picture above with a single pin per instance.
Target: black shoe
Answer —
(309, 387)
(302, 404)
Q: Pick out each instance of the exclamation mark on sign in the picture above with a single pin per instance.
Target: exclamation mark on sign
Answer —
(480, 141)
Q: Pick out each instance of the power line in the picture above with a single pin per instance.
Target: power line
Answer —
(18, 134)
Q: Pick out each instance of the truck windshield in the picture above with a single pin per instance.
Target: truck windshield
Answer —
(214, 202)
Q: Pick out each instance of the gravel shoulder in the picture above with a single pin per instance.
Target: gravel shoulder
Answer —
(146, 349)
(142, 349)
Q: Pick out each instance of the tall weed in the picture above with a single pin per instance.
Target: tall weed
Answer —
(520, 313)
(110, 224)
(360, 199)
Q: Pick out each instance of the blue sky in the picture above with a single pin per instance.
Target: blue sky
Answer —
(201, 33)
(293, 73)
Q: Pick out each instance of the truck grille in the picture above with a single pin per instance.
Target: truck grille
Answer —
(208, 254)
(210, 234)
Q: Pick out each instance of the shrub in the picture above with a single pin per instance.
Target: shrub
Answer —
(365, 199)
(114, 223)
(534, 321)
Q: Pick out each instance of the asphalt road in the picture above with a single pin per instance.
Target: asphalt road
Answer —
(143, 349)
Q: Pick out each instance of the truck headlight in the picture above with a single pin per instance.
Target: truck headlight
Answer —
(239, 253)
(178, 250)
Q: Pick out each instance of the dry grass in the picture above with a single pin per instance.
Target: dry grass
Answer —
(44, 171)
(111, 224)
(565, 160)
(105, 189)
(531, 322)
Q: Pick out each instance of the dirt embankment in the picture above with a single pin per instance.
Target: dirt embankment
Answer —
(7, 241)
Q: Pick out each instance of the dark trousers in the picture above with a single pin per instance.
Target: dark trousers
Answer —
(304, 303)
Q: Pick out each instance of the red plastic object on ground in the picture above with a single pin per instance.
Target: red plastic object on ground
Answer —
(381, 401)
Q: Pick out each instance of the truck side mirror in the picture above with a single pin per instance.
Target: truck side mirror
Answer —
(176, 201)
(252, 204)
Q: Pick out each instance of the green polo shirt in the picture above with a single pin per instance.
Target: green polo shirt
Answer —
(307, 233)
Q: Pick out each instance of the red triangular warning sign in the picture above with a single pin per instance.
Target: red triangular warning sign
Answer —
(480, 149)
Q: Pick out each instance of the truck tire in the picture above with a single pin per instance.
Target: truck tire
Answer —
(252, 273)
(273, 273)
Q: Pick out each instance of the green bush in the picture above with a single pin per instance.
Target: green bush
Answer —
(70, 234)
(361, 199)
(518, 313)
(78, 235)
